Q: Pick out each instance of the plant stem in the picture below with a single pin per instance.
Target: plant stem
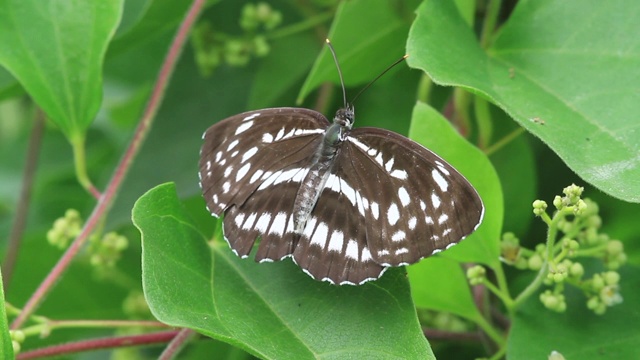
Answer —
(505, 298)
(22, 208)
(502, 285)
(177, 344)
(490, 331)
(107, 198)
(95, 344)
(552, 233)
(300, 26)
(489, 24)
(424, 88)
(49, 325)
(504, 141)
(80, 161)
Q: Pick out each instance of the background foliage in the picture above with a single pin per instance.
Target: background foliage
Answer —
(544, 92)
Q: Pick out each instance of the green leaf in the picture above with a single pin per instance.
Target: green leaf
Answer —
(439, 284)
(570, 64)
(271, 310)
(431, 129)
(367, 36)
(6, 348)
(579, 333)
(55, 50)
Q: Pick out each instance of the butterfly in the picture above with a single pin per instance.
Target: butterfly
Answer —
(345, 204)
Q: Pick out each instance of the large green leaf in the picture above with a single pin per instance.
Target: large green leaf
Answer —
(55, 49)
(579, 333)
(570, 64)
(272, 310)
(6, 348)
(432, 130)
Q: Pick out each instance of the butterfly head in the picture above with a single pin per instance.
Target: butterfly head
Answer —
(345, 117)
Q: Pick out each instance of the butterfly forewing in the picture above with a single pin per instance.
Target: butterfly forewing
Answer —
(241, 152)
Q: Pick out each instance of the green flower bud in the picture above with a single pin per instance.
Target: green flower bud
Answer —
(557, 202)
(17, 335)
(555, 356)
(615, 247)
(576, 270)
(611, 278)
(593, 302)
(535, 262)
(597, 282)
(539, 207)
(16, 346)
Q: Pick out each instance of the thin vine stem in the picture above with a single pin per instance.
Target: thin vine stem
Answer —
(22, 208)
(108, 196)
(504, 141)
(177, 343)
(103, 343)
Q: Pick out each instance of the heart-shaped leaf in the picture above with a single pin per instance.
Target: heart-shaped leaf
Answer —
(271, 310)
(55, 49)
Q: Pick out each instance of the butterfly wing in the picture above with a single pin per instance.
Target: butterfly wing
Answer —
(250, 165)
(413, 202)
(333, 246)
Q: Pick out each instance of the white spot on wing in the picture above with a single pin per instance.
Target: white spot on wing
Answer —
(320, 235)
(412, 223)
(249, 154)
(279, 224)
(243, 171)
(263, 223)
(248, 224)
(375, 210)
(279, 135)
(404, 196)
(379, 160)
(399, 174)
(226, 187)
(256, 176)
(244, 127)
(250, 117)
(393, 214)
(358, 143)
(443, 218)
(233, 144)
(228, 171)
(399, 236)
(352, 250)
(239, 219)
(267, 138)
(440, 180)
(402, 251)
(336, 241)
(389, 165)
(366, 255)
(435, 200)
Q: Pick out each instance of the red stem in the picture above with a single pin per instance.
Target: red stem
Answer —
(106, 199)
(22, 209)
(103, 343)
(176, 344)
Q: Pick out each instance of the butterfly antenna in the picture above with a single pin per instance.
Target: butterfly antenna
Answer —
(379, 76)
(335, 59)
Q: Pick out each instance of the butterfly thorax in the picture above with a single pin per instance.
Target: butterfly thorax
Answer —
(321, 166)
